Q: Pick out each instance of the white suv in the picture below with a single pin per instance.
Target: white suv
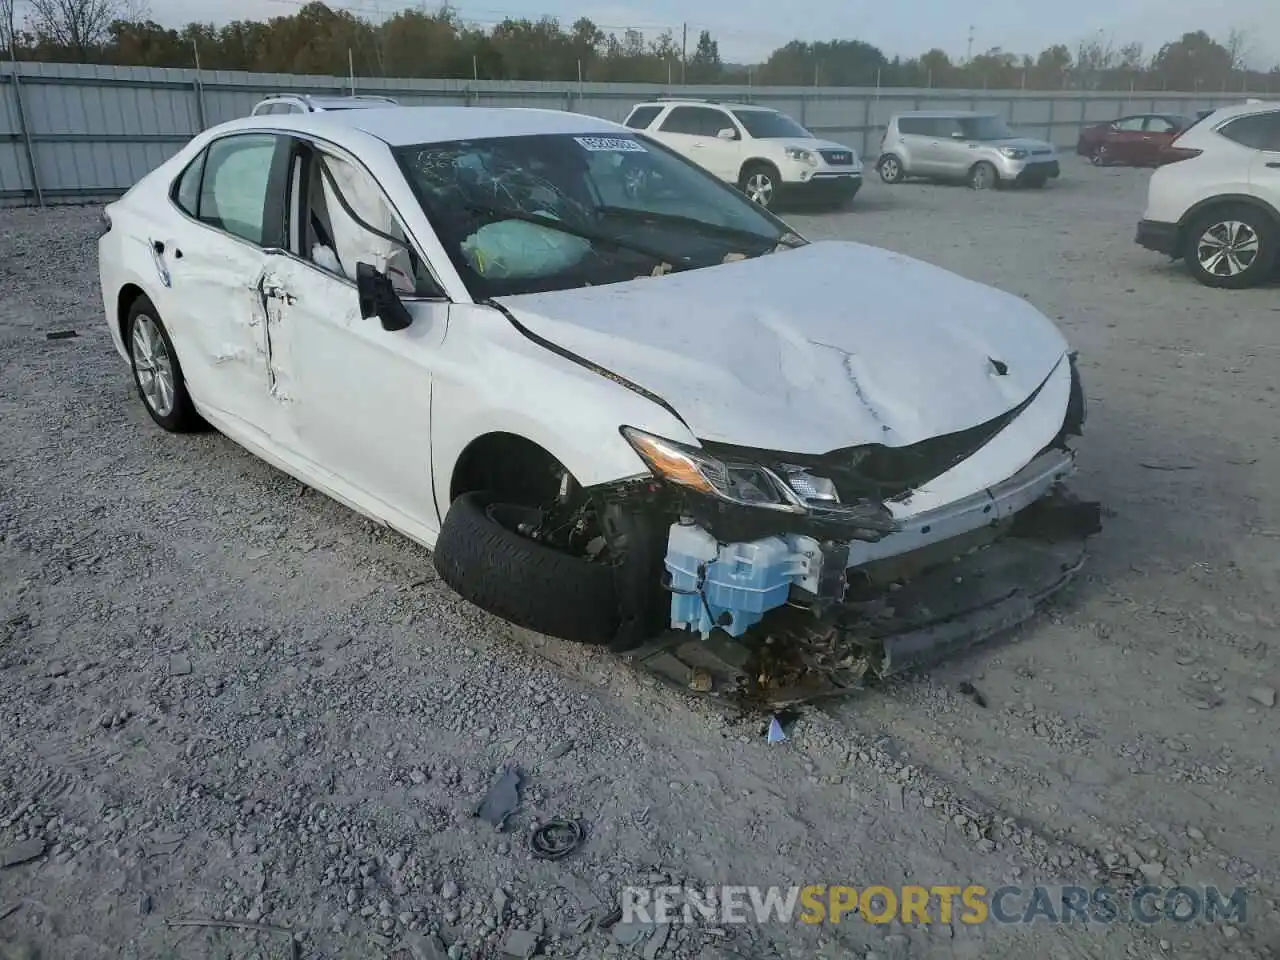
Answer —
(764, 152)
(1215, 200)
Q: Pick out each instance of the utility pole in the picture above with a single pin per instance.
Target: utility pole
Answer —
(969, 50)
(684, 50)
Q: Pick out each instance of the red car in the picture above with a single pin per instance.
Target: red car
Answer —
(1136, 141)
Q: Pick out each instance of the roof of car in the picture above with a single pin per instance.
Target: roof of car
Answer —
(1243, 109)
(401, 126)
(696, 102)
(944, 113)
(359, 99)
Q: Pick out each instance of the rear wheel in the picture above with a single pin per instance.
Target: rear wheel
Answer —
(890, 169)
(157, 374)
(1233, 246)
(1101, 156)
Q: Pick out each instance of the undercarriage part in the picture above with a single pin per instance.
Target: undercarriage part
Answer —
(793, 657)
(732, 585)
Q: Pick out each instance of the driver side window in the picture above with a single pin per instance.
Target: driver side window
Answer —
(344, 219)
(1130, 124)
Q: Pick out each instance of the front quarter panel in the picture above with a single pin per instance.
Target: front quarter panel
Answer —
(491, 378)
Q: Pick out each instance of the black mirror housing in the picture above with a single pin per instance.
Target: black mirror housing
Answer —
(378, 298)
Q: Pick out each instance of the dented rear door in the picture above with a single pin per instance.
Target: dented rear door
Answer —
(216, 264)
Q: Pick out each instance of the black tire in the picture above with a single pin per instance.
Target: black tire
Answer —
(1101, 156)
(761, 183)
(1258, 269)
(181, 415)
(983, 176)
(521, 580)
(1037, 183)
(890, 169)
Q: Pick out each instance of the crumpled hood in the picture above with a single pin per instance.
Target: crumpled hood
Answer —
(829, 345)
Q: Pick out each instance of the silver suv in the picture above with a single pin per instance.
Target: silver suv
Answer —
(305, 103)
(976, 148)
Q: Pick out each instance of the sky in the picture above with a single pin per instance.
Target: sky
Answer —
(748, 29)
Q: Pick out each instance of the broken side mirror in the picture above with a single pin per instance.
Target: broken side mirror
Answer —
(378, 298)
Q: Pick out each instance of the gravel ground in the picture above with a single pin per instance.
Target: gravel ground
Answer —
(226, 697)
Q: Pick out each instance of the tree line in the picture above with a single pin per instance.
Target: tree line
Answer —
(320, 39)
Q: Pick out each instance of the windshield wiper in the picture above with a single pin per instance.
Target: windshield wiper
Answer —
(643, 249)
(694, 224)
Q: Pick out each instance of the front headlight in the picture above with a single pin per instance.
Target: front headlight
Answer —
(1014, 153)
(802, 156)
(747, 484)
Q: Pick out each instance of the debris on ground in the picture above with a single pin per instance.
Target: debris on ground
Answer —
(521, 944)
(775, 733)
(61, 334)
(967, 689)
(1263, 695)
(22, 852)
(556, 839)
(503, 798)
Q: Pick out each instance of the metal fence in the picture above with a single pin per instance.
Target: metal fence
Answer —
(77, 133)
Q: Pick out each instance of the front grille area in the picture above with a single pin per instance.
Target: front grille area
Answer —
(838, 158)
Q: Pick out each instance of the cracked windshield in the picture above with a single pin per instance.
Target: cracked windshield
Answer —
(550, 212)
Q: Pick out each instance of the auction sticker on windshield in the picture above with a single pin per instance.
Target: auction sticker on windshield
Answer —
(611, 145)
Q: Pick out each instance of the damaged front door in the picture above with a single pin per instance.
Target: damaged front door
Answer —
(355, 399)
(215, 259)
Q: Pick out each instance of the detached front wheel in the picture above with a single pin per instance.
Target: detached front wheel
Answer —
(486, 554)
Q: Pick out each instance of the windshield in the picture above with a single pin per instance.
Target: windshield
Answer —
(985, 128)
(770, 125)
(558, 211)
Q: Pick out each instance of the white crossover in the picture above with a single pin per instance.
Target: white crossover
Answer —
(614, 396)
(765, 152)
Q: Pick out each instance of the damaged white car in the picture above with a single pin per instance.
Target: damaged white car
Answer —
(637, 411)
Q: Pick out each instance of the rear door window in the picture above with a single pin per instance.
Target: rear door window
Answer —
(913, 126)
(641, 117)
(1259, 131)
(237, 176)
(1130, 124)
(695, 121)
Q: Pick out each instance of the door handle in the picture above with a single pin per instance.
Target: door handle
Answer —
(276, 292)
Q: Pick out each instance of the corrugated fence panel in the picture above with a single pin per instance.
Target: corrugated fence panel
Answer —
(93, 130)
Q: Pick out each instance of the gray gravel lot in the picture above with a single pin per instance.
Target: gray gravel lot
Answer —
(224, 696)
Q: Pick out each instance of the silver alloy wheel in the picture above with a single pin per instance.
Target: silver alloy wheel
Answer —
(889, 169)
(153, 364)
(760, 188)
(1227, 248)
(980, 178)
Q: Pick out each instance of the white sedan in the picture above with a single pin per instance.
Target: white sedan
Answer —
(614, 406)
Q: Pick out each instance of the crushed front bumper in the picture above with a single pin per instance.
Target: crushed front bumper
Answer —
(789, 618)
(980, 590)
(731, 586)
